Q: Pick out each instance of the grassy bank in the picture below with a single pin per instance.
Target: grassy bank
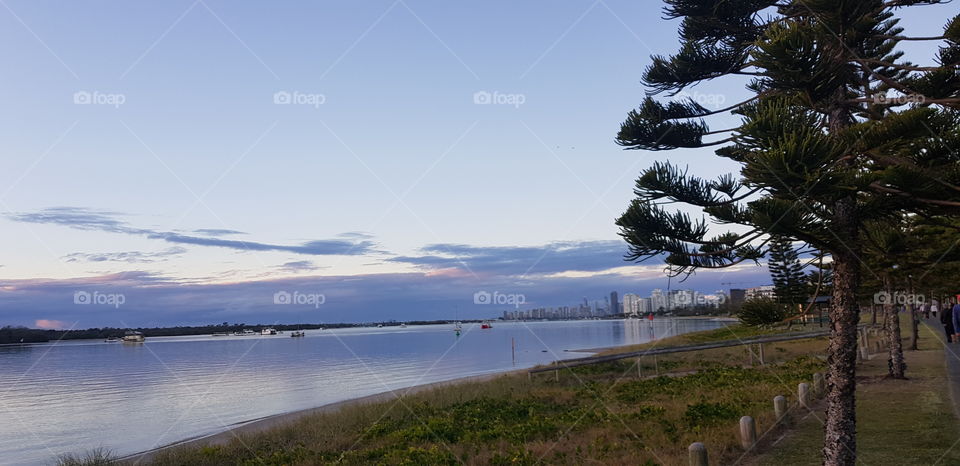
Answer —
(904, 422)
(601, 413)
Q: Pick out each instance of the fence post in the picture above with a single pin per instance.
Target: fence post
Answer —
(780, 407)
(698, 454)
(556, 374)
(656, 364)
(748, 432)
(760, 347)
(639, 369)
(803, 395)
(818, 384)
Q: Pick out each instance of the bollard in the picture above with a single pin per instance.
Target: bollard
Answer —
(780, 407)
(748, 432)
(698, 454)
(818, 385)
(803, 395)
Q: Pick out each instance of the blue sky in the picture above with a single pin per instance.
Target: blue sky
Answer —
(189, 186)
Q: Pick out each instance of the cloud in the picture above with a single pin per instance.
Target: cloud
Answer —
(521, 260)
(217, 232)
(299, 266)
(97, 220)
(126, 256)
(50, 324)
(156, 300)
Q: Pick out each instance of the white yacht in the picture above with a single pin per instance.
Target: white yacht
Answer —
(268, 331)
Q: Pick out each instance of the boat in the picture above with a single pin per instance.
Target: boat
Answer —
(112, 339)
(403, 325)
(297, 334)
(220, 334)
(133, 337)
(379, 325)
(486, 325)
(268, 331)
(245, 333)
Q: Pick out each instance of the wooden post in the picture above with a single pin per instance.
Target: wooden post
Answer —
(748, 432)
(656, 364)
(803, 395)
(760, 348)
(750, 354)
(698, 454)
(639, 369)
(780, 407)
(866, 340)
(818, 385)
(556, 374)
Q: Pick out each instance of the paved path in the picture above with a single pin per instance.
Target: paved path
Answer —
(951, 352)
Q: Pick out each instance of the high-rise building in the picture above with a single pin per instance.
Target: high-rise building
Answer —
(631, 304)
(644, 306)
(758, 292)
(658, 300)
(614, 303)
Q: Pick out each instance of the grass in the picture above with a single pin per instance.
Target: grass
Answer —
(903, 422)
(95, 457)
(592, 414)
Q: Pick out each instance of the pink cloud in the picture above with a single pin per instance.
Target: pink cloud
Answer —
(50, 324)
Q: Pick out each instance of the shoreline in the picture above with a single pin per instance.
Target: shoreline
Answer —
(261, 424)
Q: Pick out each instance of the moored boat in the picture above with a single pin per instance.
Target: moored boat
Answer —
(133, 337)
(268, 331)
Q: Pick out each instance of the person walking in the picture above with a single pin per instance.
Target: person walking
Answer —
(934, 307)
(956, 319)
(946, 318)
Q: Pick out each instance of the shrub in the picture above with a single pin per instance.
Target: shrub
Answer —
(758, 312)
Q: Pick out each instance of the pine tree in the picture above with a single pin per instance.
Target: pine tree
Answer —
(823, 148)
(786, 271)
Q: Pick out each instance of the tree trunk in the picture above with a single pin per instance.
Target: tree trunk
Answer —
(911, 301)
(840, 428)
(895, 363)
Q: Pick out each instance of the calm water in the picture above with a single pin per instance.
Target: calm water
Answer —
(78, 395)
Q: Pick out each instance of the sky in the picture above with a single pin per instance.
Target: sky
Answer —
(192, 158)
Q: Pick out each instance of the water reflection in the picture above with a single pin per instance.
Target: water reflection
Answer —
(77, 395)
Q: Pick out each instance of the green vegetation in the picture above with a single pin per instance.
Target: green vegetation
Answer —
(760, 312)
(903, 422)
